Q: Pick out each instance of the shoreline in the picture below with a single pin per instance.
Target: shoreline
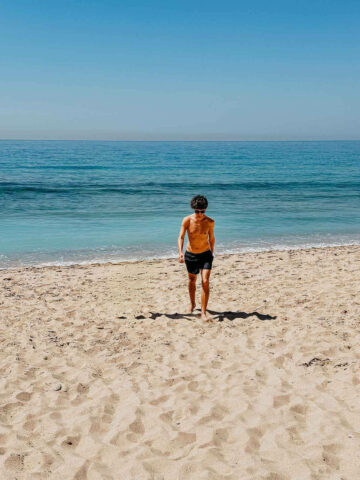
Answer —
(153, 259)
(174, 257)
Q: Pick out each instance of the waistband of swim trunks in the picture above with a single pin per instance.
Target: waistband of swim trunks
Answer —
(197, 254)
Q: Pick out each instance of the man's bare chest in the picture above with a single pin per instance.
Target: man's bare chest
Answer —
(198, 229)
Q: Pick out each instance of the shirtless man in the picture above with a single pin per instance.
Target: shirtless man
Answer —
(199, 251)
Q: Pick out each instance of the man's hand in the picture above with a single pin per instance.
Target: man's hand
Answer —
(181, 258)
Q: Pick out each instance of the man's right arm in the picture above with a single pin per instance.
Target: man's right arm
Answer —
(181, 239)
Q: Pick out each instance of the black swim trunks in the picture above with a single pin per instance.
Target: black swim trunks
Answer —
(198, 261)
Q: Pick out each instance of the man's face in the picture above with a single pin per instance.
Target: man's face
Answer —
(199, 212)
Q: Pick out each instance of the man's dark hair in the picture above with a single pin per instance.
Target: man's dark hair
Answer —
(199, 202)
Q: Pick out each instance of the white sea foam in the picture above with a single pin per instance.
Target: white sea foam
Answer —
(72, 258)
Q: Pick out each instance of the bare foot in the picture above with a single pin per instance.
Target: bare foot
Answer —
(205, 317)
(191, 308)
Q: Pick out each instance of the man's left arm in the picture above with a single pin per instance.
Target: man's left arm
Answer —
(211, 236)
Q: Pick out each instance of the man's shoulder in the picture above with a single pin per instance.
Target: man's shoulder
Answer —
(186, 220)
(210, 220)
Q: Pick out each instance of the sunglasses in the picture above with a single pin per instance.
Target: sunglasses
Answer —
(199, 211)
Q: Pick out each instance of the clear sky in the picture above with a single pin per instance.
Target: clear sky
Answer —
(180, 69)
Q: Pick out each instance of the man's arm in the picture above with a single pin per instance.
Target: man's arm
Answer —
(211, 235)
(181, 239)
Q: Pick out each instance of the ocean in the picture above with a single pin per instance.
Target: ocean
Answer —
(64, 202)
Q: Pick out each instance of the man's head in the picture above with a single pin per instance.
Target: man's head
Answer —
(199, 203)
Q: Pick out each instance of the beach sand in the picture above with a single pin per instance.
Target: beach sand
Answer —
(104, 377)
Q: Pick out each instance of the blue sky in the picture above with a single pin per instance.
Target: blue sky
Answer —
(179, 70)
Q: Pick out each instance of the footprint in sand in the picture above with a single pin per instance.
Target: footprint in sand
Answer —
(217, 413)
(183, 439)
(279, 361)
(30, 425)
(253, 443)
(137, 426)
(23, 396)
(81, 474)
(281, 400)
(275, 476)
(167, 416)
(159, 400)
(14, 462)
(329, 455)
(71, 441)
(294, 435)
(300, 409)
(82, 388)
(193, 386)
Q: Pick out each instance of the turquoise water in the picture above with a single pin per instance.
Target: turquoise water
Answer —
(77, 201)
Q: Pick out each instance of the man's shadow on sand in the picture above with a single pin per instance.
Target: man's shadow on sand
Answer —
(219, 316)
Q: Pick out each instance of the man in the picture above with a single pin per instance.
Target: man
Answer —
(199, 251)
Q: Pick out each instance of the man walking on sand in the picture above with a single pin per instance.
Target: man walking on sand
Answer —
(199, 251)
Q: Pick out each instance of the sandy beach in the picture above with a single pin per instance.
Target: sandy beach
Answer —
(103, 375)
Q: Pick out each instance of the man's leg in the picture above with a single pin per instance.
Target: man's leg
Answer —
(192, 290)
(205, 292)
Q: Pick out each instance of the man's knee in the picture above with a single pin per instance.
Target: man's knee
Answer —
(192, 280)
(205, 283)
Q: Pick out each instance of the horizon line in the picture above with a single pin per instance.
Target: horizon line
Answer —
(176, 140)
